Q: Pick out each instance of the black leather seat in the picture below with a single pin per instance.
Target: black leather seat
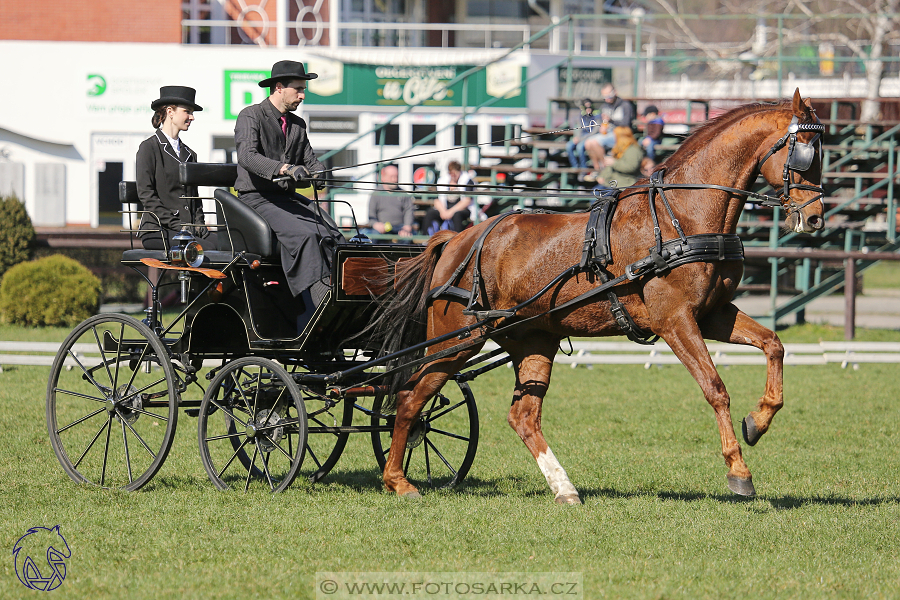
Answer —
(128, 195)
(247, 230)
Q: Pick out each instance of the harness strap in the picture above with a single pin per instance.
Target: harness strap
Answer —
(704, 247)
(656, 182)
(651, 199)
(476, 247)
(596, 250)
(627, 324)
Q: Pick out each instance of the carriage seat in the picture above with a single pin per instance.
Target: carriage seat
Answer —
(128, 195)
(246, 228)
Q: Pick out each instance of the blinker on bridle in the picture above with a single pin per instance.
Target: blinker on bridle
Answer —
(799, 159)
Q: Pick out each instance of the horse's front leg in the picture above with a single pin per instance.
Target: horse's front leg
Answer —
(729, 324)
(421, 387)
(684, 338)
(409, 405)
(533, 365)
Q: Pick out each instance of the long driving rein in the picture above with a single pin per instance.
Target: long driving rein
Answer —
(664, 256)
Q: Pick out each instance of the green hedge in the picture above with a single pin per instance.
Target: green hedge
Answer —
(51, 291)
(16, 233)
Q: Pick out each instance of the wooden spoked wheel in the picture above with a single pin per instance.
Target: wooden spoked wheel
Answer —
(443, 441)
(112, 403)
(252, 427)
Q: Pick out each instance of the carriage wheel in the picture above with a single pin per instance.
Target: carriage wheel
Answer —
(252, 426)
(112, 403)
(442, 442)
(323, 445)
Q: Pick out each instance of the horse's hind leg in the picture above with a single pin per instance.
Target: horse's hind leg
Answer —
(684, 338)
(731, 325)
(533, 365)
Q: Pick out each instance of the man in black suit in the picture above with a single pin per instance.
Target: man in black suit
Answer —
(272, 142)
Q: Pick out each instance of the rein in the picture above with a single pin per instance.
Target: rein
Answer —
(662, 257)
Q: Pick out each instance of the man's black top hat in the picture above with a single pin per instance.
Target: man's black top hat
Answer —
(176, 94)
(286, 69)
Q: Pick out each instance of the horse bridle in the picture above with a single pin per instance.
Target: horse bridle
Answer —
(799, 159)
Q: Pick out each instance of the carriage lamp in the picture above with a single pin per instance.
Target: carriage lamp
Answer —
(186, 250)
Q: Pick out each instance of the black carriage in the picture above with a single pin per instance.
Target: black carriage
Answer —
(277, 383)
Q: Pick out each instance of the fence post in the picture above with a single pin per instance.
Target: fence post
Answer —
(849, 298)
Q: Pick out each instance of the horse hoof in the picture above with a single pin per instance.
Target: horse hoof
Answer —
(751, 433)
(413, 495)
(741, 486)
(568, 499)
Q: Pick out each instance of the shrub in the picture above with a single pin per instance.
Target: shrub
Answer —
(55, 290)
(16, 233)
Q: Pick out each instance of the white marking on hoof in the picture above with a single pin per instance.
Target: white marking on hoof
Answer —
(556, 476)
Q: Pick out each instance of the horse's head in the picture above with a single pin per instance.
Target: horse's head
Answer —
(796, 167)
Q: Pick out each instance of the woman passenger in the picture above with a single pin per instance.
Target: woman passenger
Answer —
(624, 166)
(157, 161)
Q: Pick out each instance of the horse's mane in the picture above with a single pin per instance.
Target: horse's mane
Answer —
(701, 136)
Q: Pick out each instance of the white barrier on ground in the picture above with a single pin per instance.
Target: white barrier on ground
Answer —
(628, 353)
(585, 353)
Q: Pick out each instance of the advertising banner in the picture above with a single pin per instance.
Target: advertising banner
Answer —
(347, 84)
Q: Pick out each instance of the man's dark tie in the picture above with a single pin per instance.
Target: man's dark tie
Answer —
(284, 125)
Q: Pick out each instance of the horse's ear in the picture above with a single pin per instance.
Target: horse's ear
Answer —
(801, 107)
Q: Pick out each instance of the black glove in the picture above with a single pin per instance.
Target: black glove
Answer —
(300, 174)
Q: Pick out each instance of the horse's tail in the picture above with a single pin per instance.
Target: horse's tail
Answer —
(401, 317)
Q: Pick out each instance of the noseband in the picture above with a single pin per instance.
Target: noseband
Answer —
(799, 159)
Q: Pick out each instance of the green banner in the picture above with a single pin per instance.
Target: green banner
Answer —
(349, 84)
(382, 85)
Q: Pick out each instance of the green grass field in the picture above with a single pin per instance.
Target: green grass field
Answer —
(640, 445)
(884, 275)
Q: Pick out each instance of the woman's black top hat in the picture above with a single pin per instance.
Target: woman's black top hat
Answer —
(176, 94)
(286, 69)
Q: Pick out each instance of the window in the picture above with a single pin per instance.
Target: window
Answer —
(471, 135)
(501, 9)
(420, 132)
(108, 193)
(391, 133)
(344, 158)
(500, 133)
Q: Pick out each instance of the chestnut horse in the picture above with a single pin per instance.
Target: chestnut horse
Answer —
(525, 253)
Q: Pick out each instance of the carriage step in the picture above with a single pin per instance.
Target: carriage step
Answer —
(195, 412)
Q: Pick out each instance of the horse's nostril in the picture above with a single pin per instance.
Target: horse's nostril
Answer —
(815, 221)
